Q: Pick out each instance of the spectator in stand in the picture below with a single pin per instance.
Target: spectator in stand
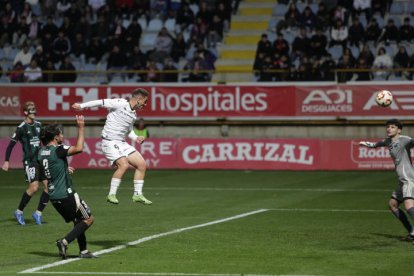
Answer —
(124, 6)
(360, 6)
(264, 45)
(215, 32)
(24, 56)
(116, 62)
(48, 7)
(344, 63)
(204, 13)
(265, 71)
(20, 34)
(17, 73)
(347, 52)
(118, 32)
(26, 14)
(304, 71)
(199, 29)
(280, 45)
(379, 6)
(406, 31)
(96, 5)
(401, 60)
(40, 57)
(63, 6)
(282, 63)
(179, 47)
(291, 19)
(258, 63)
(95, 50)
(83, 27)
(159, 8)
(9, 13)
(300, 45)
(49, 72)
(382, 61)
(33, 73)
(198, 68)
(47, 44)
(410, 65)
(67, 72)
(391, 32)
(137, 61)
(185, 16)
(327, 68)
(152, 72)
(34, 31)
(367, 55)
(50, 27)
(67, 28)
(308, 19)
(361, 74)
(6, 31)
(61, 47)
(169, 73)
(134, 30)
(224, 12)
(373, 31)
(339, 13)
(339, 34)
(356, 33)
(163, 46)
(318, 44)
(322, 17)
(79, 48)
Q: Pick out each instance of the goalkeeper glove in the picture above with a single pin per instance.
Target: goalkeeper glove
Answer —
(367, 144)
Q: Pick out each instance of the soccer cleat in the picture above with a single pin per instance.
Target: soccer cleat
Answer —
(62, 248)
(141, 199)
(409, 238)
(19, 217)
(87, 255)
(37, 218)
(112, 199)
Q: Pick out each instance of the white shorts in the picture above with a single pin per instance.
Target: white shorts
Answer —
(113, 150)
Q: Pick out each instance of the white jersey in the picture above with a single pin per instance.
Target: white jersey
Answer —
(120, 119)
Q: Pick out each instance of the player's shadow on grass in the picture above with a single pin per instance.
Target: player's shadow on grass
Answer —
(52, 254)
(388, 236)
(107, 243)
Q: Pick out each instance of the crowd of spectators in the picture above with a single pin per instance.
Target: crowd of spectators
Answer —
(52, 38)
(334, 37)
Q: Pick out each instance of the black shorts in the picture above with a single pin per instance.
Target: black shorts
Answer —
(72, 208)
(34, 173)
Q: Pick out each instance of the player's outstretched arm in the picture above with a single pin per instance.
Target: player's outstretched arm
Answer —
(78, 148)
(80, 106)
(76, 106)
(367, 144)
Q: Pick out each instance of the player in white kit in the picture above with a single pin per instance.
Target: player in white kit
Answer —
(119, 124)
(400, 147)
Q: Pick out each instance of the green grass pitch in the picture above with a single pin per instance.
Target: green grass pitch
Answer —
(207, 222)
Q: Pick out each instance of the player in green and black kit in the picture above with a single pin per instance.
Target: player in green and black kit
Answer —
(53, 162)
(27, 133)
(400, 150)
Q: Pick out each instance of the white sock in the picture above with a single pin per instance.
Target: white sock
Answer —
(115, 182)
(138, 184)
(38, 212)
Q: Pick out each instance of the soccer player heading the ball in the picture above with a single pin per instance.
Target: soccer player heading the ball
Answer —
(119, 124)
(399, 147)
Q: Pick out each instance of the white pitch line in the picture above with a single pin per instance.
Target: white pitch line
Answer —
(155, 273)
(112, 249)
(334, 190)
(328, 210)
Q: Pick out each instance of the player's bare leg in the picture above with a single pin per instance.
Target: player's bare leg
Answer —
(393, 205)
(138, 162)
(121, 167)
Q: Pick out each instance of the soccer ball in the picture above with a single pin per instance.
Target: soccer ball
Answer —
(384, 98)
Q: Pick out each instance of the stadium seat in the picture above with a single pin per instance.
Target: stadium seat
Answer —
(314, 7)
(273, 23)
(148, 41)
(397, 20)
(155, 25)
(170, 24)
(143, 23)
(289, 36)
(280, 10)
(195, 8)
(336, 52)
(125, 23)
(380, 20)
(363, 21)
(355, 51)
(300, 6)
(410, 8)
(397, 8)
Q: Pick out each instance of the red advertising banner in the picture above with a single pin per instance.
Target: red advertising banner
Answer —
(235, 154)
(232, 102)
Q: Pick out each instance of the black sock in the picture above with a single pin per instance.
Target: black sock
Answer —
(82, 242)
(400, 215)
(44, 199)
(79, 229)
(23, 202)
